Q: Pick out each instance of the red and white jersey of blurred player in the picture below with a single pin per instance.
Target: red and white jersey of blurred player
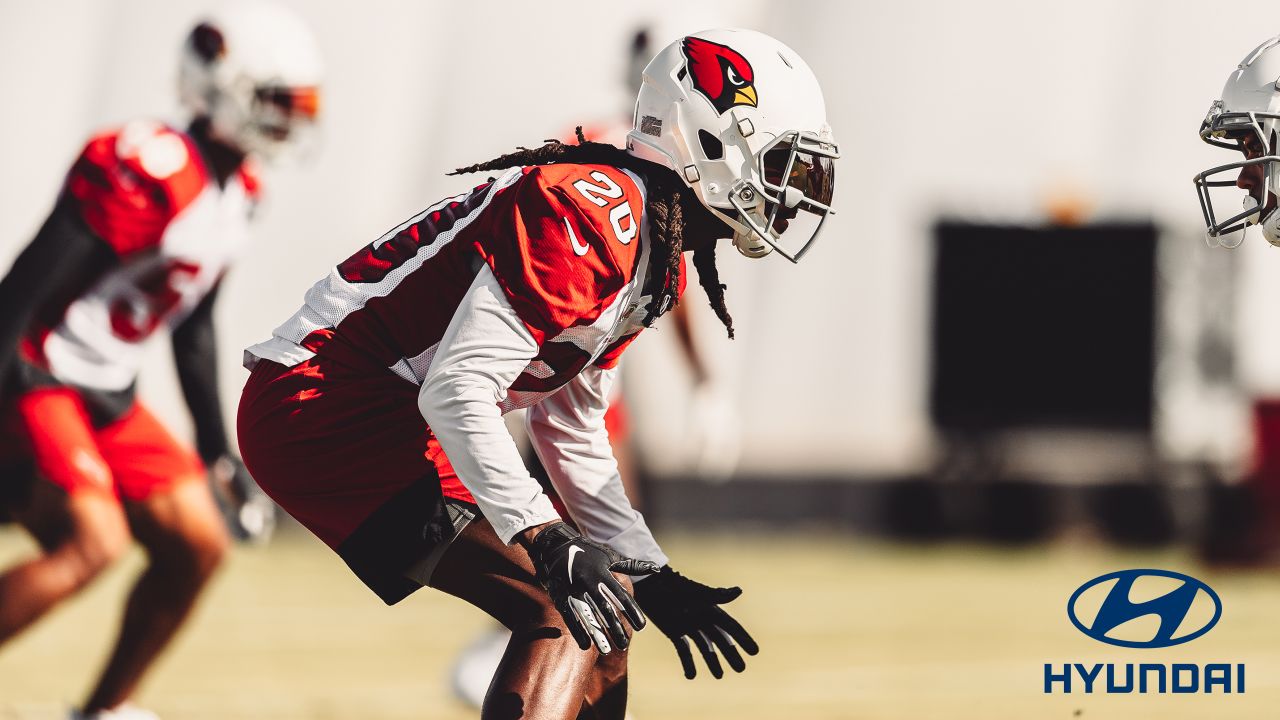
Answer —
(145, 190)
(544, 270)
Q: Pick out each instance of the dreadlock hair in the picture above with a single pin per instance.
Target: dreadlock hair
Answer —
(665, 207)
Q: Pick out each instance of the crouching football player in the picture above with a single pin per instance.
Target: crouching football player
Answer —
(373, 415)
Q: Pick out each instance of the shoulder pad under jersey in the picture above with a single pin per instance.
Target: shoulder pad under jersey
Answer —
(129, 183)
(563, 240)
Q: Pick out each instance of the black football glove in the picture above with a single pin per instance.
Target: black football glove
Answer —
(683, 608)
(250, 515)
(578, 574)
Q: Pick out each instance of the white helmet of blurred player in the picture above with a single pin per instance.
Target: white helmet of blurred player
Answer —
(1244, 120)
(741, 119)
(254, 70)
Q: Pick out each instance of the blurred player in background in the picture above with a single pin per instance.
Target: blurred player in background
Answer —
(147, 223)
(1246, 120)
(373, 415)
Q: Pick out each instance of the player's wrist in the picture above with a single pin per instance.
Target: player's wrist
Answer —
(212, 457)
(527, 536)
(211, 445)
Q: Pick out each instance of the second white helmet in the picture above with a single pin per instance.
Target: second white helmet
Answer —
(254, 70)
(741, 119)
(1245, 119)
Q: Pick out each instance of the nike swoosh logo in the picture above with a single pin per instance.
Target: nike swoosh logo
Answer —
(572, 550)
(579, 248)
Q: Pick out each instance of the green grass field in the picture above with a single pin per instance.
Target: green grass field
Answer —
(848, 628)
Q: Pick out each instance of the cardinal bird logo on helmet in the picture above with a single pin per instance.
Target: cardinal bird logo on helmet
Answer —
(720, 73)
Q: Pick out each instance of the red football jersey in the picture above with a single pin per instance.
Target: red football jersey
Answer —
(566, 242)
(145, 191)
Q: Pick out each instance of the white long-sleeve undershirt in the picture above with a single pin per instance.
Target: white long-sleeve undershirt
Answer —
(483, 351)
(569, 435)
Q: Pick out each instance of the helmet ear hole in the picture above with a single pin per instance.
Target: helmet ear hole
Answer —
(207, 42)
(712, 148)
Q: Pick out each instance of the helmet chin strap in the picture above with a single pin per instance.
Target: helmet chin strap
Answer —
(745, 241)
(1271, 228)
(1250, 203)
(749, 245)
(1270, 223)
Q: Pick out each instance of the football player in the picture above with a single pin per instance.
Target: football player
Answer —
(148, 221)
(476, 664)
(1245, 120)
(374, 414)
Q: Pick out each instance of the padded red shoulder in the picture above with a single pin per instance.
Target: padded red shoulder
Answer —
(131, 182)
(562, 241)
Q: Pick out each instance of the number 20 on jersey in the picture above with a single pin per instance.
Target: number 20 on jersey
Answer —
(620, 216)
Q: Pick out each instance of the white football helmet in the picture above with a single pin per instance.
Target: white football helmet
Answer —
(254, 70)
(741, 119)
(1250, 105)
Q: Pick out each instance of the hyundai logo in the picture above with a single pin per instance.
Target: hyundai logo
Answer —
(1171, 608)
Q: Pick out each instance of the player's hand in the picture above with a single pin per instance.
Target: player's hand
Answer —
(578, 574)
(250, 515)
(682, 608)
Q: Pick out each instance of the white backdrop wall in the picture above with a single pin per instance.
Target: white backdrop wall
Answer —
(980, 108)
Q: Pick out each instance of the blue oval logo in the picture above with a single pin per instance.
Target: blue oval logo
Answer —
(1171, 608)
